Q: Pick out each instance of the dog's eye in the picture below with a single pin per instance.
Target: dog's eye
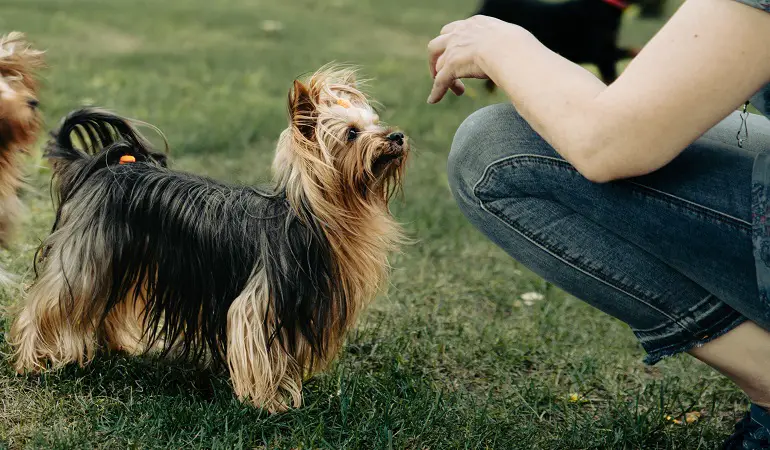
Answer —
(352, 133)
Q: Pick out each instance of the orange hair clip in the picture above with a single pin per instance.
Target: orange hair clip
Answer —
(125, 159)
(344, 103)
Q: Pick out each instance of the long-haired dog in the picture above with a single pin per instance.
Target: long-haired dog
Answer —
(265, 283)
(19, 122)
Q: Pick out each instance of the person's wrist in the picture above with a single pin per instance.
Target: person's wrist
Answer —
(485, 60)
(504, 48)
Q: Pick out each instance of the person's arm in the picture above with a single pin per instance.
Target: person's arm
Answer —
(707, 60)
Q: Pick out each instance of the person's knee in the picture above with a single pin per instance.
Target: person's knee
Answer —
(487, 135)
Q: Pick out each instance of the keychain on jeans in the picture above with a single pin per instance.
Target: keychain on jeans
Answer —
(744, 125)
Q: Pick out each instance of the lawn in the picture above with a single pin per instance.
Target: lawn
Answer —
(450, 357)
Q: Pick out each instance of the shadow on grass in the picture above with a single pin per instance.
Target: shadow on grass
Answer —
(120, 377)
(376, 396)
(143, 403)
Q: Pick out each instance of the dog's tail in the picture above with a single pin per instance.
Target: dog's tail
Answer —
(90, 139)
(89, 132)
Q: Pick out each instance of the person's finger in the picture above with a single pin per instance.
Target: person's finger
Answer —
(436, 48)
(457, 87)
(440, 62)
(448, 28)
(441, 84)
(438, 44)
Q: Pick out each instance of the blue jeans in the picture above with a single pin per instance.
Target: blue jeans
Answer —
(669, 253)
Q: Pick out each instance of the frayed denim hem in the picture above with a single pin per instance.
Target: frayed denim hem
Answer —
(656, 356)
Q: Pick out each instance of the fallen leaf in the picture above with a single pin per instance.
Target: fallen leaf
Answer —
(692, 417)
(532, 297)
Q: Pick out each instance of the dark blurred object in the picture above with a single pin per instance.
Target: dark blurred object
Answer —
(583, 31)
(652, 9)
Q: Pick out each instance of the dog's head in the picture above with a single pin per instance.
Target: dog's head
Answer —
(19, 115)
(336, 143)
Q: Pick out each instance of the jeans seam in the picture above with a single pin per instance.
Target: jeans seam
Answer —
(597, 276)
(576, 266)
(694, 206)
(692, 309)
(671, 199)
(718, 325)
(725, 325)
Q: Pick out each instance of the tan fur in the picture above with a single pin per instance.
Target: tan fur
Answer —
(55, 323)
(19, 122)
(46, 329)
(124, 326)
(338, 180)
(269, 379)
(346, 184)
(58, 321)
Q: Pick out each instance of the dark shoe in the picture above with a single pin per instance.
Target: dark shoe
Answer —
(752, 432)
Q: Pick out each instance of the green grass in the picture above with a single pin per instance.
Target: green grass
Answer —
(449, 358)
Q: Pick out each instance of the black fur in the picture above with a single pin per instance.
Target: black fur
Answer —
(583, 31)
(191, 241)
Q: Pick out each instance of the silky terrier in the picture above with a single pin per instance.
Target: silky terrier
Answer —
(19, 122)
(263, 282)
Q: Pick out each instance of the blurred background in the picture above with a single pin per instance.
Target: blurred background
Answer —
(467, 349)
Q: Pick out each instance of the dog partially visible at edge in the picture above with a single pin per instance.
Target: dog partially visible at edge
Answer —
(20, 122)
(265, 283)
(582, 31)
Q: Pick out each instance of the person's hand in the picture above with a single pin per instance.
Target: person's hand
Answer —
(456, 53)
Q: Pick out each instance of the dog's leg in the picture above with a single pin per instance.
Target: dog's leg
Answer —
(48, 330)
(653, 9)
(124, 328)
(10, 210)
(608, 70)
(267, 379)
(628, 53)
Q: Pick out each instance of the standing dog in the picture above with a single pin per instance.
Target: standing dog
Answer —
(265, 283)
(19, 122)
(583, 31)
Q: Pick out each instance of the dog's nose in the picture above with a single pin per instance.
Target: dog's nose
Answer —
(33, 103)
(397, 137)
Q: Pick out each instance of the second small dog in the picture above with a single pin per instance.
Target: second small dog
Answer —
(19, 122)
(266, 283)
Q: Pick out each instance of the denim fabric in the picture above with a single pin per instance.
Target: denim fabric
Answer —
(760, 4)
(761, 100)
(761, 229)
(669, 253)
(761, 192)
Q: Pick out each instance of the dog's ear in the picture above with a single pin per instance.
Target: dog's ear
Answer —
(19, 59)
(302, 110)
(349, 78)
